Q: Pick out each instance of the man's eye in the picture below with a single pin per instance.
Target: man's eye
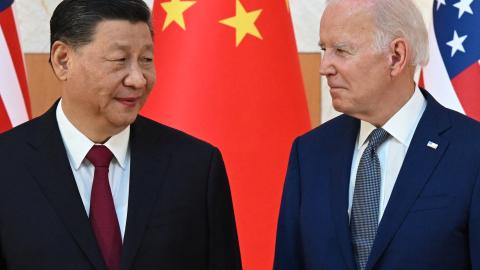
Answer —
(119, 60)
(148, 59)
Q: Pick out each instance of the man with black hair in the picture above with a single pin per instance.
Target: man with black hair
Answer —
(92, 185)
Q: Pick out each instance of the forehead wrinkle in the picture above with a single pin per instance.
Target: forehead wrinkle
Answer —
(126, 46)
(342, 27)
(119, 45)
(351, 7)
(348, 23)
(126, 30)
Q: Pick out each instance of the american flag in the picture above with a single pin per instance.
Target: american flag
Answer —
(453, 74)
(14, 100)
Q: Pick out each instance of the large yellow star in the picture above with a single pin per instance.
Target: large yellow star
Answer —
(175, 10)
(243, 22)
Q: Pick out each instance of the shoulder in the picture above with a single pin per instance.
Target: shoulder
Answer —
(23, 133)
(452, 125)
(331, 129)
(327, 139)
(34, 131)
(463, 129)
(168, 137)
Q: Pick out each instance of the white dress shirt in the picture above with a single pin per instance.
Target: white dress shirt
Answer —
(391, 153)
(78, 145)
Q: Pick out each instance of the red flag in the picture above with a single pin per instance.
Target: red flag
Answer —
(228, 72)
(14, 100)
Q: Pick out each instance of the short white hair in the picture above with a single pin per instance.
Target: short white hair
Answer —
(395, 19)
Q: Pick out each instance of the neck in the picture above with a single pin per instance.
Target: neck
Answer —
(94, 129)
(395, 98)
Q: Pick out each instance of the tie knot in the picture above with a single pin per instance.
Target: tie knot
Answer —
(100, 156)
(377, 137)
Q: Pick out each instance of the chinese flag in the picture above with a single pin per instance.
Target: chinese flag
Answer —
(228, 73)
(14, 99)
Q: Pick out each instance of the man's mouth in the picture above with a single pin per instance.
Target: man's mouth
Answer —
(129, 101)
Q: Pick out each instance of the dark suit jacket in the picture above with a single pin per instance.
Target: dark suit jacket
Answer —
(432, 220)
(180, 212)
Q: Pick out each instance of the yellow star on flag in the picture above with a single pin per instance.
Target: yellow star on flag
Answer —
(175, 10)
(243, 22)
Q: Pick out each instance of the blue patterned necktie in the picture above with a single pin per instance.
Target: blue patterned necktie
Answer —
(366, 199)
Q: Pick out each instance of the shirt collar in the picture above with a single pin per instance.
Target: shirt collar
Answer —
(402, 124)
(78, 145)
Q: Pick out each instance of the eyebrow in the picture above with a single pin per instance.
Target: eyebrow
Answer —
(117, 45)
(341, 45)
(336, 45)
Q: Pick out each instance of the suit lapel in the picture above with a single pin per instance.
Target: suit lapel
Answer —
(419, 163)
(340, 182)
(52, 171)
(148, 166)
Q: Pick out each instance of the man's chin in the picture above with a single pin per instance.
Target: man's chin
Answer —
(338, 105)
(121, 120)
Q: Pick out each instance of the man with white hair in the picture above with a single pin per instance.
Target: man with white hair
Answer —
(394, 182)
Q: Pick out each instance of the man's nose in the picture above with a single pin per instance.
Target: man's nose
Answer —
(326, 65)
(136, 78)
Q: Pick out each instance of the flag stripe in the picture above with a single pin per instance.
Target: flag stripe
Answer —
(10, 90)
(4, 120)
(467, 85)
(7, 23)
(436, 78)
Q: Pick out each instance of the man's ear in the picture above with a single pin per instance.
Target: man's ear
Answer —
(60, 56)
(398, 57)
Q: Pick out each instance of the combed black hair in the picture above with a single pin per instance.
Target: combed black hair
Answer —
(74, 21)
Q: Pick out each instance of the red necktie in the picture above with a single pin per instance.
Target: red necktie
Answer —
(103, 217)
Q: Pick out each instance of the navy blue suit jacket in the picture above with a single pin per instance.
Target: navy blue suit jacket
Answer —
(432, 220)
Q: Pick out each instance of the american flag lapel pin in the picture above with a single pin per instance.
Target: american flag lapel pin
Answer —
(432, 145)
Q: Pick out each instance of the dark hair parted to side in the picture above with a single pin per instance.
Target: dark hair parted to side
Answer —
(74, 21)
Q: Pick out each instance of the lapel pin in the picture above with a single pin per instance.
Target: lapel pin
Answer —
(432, 145)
